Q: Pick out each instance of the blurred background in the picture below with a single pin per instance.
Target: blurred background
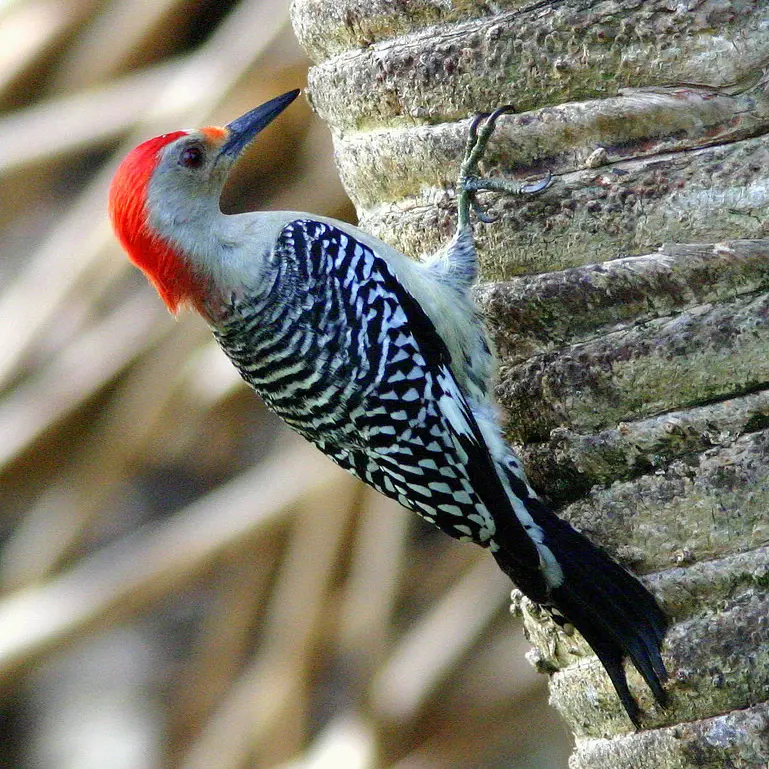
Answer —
(183, 582)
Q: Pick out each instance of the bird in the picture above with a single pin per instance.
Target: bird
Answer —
(381, 361)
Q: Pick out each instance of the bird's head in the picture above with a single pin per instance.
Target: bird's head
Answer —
(167, 189)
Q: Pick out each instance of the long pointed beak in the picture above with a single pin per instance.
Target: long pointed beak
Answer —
(244, 129)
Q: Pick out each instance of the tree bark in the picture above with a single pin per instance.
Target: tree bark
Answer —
(635, 385)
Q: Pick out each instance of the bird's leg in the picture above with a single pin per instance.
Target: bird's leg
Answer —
(470, 181)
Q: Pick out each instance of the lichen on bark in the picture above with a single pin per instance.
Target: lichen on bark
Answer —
(629, 302)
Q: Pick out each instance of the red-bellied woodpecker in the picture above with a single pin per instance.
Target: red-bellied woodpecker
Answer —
(381, 361)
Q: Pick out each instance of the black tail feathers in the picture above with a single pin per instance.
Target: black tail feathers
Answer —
(612, 610)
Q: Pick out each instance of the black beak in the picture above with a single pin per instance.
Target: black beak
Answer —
(245, 128)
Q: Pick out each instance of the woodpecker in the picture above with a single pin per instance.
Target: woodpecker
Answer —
(381, 361)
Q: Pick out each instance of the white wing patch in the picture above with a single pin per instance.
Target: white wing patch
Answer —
(454, 407)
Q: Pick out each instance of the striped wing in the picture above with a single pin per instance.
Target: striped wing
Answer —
(410, 432)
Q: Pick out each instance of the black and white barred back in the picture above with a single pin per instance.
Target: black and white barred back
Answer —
(337, 347)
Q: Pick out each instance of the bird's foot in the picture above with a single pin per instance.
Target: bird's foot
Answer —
(470, 182)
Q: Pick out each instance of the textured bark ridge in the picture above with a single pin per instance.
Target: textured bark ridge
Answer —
(630, 301)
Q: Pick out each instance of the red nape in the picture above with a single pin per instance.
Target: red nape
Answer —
(157, 259)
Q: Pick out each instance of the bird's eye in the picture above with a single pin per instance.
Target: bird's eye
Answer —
(191, 157)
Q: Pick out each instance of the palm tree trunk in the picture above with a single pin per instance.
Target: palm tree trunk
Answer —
(630, 302)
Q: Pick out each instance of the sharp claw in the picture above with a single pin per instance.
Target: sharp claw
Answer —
(477, 120)
(506, 109)
(481, 130)
(481, 215)
(534, 187)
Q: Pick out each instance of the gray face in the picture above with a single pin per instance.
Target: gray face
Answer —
(191, 172)
(193, 165)
(183, 195)
(183, 203)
